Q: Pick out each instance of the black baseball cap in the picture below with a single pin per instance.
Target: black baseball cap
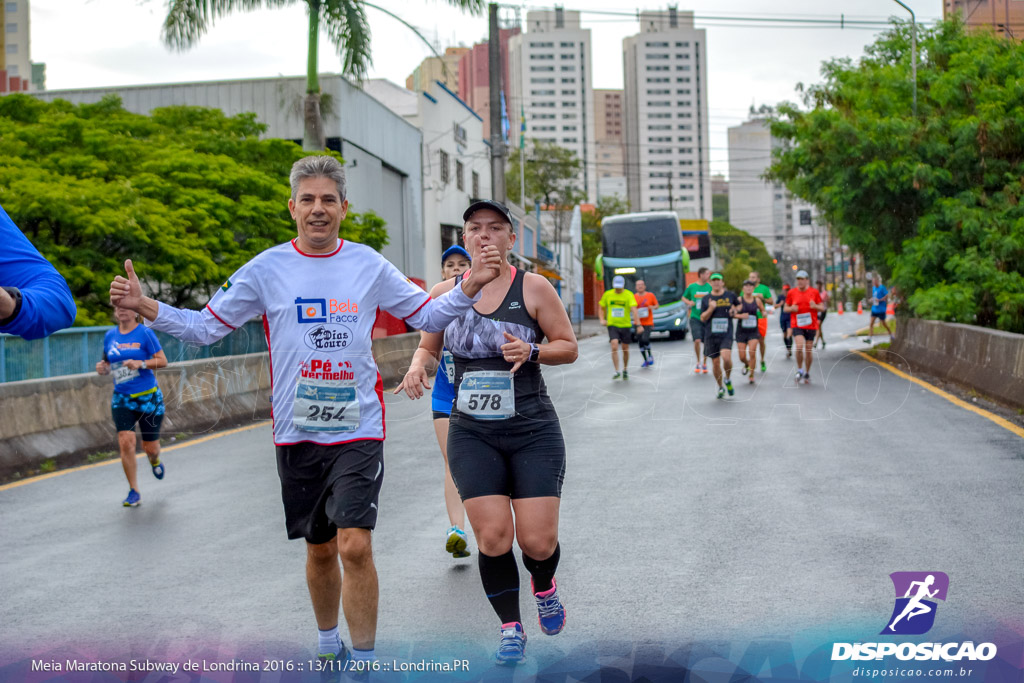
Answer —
(488, 204)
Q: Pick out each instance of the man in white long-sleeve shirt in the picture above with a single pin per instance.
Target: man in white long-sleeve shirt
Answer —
(318, 296)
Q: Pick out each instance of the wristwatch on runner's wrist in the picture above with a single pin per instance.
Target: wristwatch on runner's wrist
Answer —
(145, 366)
(15, 294)
(534, 353)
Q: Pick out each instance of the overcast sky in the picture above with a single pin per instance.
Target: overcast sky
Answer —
(117, 42)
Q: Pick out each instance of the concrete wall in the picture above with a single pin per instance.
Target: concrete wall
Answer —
(67, 417)
(989, 361)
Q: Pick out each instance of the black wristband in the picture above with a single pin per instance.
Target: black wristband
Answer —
(16, 295)
(534, 353)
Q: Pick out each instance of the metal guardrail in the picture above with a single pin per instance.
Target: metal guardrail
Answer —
(75, 351)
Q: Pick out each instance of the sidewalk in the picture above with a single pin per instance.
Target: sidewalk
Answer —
(591, 327)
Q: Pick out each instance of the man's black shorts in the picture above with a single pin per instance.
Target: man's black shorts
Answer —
(805, 332)
(326, 488)
(697, 329)
(623, 334)
(714, 343)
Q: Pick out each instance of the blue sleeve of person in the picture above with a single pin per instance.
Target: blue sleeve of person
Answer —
(46, 301)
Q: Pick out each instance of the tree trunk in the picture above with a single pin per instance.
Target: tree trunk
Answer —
(313, 129)
(313, 135)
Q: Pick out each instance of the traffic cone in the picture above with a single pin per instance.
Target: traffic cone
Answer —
(840, 312)
(860, 308)
(890, 309)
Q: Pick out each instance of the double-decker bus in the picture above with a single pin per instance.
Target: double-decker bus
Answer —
(649, 246)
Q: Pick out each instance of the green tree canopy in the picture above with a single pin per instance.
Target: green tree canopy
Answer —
(606, 206)
(188, 193)
(740, 252)
(934, 201)
(551, 178)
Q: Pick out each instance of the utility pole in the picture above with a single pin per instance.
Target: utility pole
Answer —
(494, 80)
(913, 48)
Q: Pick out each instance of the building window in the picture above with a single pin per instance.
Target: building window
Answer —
(683, 67)
(682, 56)
(683, 91)
(568, 80)
(568, 128)
(542, 80)
(656, 55)
(566, 116)
(12, 27)
(684, 103)
(656, 44)
(664, 126)
(460, 176)
(445, 172)
(568, 93)
(659, 92)
(564, 44)
(12, 7)
(683, 79)
(568, 104)
(661, 139)
(658, 68)
(542, 92)
(569, 140)
(12, 48)
(542, 68)
(542, 116)
(658, 104)
(568, 56)
(12, 70)
(542, 56)
(683, 44)
(542, 44)
(568, 68)
(662, 79)
(659, 116)
(476, 184)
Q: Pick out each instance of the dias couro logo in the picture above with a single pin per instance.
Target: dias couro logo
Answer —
(914, 614)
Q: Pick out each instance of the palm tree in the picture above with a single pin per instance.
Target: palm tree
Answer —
(345, 22)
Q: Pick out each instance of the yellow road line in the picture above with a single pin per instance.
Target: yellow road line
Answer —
(168, 449)
(1002, 422)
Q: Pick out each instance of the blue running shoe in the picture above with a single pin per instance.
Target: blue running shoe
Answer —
(512, 649)
(550, 610)
(158, 469)
(334, 659)
(133, 499)
(456, 543)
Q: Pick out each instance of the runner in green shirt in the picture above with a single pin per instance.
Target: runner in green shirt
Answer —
(617, 310)
(692, 296)
(762, 292)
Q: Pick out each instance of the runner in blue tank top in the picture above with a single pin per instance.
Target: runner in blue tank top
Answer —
(505, 445)
(454, 261)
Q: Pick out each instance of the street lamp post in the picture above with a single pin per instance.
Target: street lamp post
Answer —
(913, 50)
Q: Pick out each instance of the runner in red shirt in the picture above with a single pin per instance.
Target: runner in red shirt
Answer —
(646, 303)
(803, 304)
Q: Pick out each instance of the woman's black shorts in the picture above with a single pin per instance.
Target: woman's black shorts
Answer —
(527, 462)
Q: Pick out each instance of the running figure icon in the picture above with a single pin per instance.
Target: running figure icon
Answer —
(917, 595)
(915, 607)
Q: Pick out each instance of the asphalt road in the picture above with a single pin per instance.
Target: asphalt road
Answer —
(685, 520)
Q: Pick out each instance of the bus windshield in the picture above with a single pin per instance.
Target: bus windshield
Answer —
(640, 236)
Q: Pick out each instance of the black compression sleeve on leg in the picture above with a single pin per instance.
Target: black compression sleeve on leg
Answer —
(542, 571)
(500, 576)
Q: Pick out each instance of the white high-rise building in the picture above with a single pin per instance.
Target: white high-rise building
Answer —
(551, 81)
(666, 115)
(787, 225)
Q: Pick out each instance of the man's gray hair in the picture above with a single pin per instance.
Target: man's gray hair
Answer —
(319, 166)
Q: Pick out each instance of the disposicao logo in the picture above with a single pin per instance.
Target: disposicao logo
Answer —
(914, 614)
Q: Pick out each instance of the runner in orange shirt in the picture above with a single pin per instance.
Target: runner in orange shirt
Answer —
(803, 303)
(646, 303)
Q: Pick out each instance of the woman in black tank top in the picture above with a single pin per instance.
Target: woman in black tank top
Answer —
(747, 334)
(505, 446)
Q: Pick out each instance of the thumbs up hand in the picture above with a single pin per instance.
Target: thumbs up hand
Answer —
(126, 292)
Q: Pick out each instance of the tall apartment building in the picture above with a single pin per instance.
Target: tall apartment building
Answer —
(610, 164)
(1005, 17)
(551, 81)
(474, 80)
(785, 224)
(444, 69)
(666, 115)
(17, 72)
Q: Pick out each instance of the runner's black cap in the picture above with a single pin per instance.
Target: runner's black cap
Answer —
(488, 204)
